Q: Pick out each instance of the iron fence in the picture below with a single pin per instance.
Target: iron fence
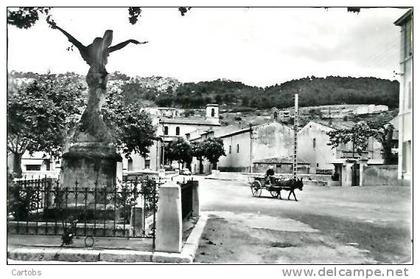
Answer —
(187, 188)
(44, 207)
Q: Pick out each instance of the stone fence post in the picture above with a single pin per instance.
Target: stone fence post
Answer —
(169, 219)
(363, 165)
(195, 198)
(137, 221)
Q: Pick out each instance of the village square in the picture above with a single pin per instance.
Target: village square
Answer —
(108, 166)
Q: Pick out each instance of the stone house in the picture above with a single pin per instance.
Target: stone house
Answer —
(244, 145)
(36, 165)
(170, 125)
(313, 146)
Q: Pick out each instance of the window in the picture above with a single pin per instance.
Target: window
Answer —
(212, 112)
(237, 148)
(314, 143)
(47, 164)
(130, 165)
(177, 131)
(230, 149)
(165, 130)
(406, 153)
(147, 163)
(275, 115)
(33, 167)
(409, 95)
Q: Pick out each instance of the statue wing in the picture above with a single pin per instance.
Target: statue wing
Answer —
(107, 39)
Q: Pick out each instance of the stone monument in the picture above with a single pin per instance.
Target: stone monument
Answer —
(91, 156)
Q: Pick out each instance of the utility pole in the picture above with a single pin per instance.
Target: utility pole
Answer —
(250, 148)
(295, 127)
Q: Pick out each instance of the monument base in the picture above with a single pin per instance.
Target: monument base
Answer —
(91, 164)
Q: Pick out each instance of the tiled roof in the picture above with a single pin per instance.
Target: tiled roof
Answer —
(189, 121)
(337, 125)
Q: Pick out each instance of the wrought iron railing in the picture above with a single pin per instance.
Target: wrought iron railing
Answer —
(187, 188)
(43, 206)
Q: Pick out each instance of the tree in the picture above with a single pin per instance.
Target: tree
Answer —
(131, 126)
(384, 132)
(179, 150)
(41, 114)
(358, 135)
(378, 128)
(212, 149)
(25, 17)
(198, 152)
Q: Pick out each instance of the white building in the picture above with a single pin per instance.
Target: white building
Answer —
(313, 146)
(37, 165)
(170, 126)
(406, 90)
(244, 145)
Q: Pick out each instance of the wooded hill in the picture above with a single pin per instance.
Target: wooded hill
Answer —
(312, 91)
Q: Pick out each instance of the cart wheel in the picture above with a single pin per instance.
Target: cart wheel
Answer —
(89, 241)
(256, 188)
(274, 194)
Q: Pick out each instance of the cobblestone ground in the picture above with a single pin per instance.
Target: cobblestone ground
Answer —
(354, 225)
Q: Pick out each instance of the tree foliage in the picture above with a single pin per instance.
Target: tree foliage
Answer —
(212, 149)
(131, 126)
(197, 150)
(384, 134)
(358, 135)
(312, 92)
(26, 17)
(41, 113)
(179, 150)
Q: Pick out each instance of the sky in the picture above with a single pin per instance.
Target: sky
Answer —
(258, 46)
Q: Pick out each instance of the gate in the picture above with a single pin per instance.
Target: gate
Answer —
(44, 207)
(355, 171)
(187, 189)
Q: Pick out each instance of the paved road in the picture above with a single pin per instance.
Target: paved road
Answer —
(359, 225)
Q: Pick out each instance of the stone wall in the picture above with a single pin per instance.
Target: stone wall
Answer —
(378, 175)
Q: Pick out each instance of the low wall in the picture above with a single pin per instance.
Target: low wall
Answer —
(378, 175)
(233, 169)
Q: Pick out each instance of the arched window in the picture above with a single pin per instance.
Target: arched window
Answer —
(212, 112)
(165, 130)
(177, 131)
(275, 115)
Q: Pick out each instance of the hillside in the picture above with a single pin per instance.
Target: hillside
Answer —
(233, 95)
(312, 92)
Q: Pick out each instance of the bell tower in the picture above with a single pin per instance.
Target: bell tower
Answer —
(212, 113)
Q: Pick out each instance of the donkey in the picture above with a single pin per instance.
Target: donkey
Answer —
(289, 185)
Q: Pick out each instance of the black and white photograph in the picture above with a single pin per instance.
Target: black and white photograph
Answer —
(210, 135)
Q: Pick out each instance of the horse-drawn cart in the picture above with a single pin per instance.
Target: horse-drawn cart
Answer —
(274, 185)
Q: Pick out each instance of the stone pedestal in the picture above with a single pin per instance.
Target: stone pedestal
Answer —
(91, 164)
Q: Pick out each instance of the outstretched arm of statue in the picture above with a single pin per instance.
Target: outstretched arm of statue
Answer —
(123, 44)
(72, 39)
